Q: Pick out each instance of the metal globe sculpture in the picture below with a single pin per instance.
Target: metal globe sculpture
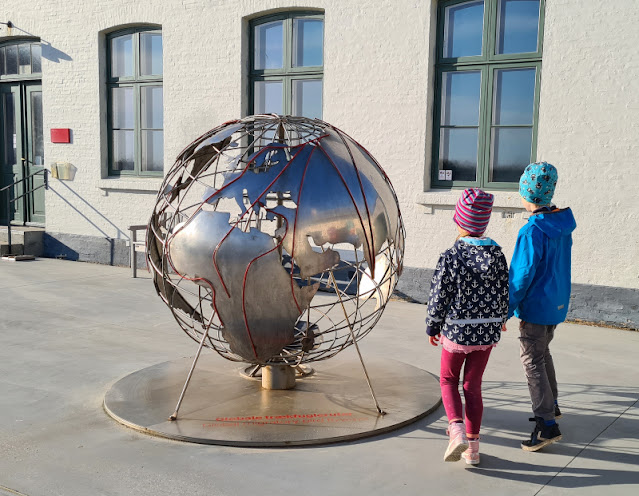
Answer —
(276, 240)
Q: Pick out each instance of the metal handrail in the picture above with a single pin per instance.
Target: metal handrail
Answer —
(8, 189)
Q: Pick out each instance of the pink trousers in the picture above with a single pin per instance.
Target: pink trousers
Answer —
(449, 381)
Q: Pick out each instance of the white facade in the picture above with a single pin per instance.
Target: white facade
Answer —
(379, 63)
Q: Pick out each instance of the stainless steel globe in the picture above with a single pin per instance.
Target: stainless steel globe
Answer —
(276, 240)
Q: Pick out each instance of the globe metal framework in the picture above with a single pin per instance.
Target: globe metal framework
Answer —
(276, 240)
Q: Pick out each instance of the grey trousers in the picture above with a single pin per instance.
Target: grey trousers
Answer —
(539, 367)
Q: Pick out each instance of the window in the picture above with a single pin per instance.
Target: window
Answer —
(20, 59)
(134, 99)
(486, 91)
(287, 64)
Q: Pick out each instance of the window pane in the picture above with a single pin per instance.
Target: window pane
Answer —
(458, 152)
(460, 98)
(152, 150)
(269, 43)
(510, 151)
(517, 26)
(463, 29)
(307, 98)
(152, 112)
(122, 56)
(24, 58)
(268, 97)
(36, 58)
(8, 129)
(308, 41)
(37, 151)
(514, 96)
(122, 108)
(150, 54)
(12, 59)
(2, 56)
(122, 150)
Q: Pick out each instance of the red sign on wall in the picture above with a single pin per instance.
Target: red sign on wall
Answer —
(61, 135)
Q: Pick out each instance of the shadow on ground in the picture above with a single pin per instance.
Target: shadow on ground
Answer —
(599, 427)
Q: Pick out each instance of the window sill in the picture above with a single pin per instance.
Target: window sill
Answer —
(506, 202)
(139, 184)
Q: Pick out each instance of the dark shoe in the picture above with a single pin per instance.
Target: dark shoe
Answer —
(543, 435)
(558, 414)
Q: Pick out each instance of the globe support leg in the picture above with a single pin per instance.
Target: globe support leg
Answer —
(350, 328)
(188, 378)
(278, 377)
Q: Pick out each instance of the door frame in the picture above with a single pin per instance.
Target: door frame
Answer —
(25, 211)
(29, 210)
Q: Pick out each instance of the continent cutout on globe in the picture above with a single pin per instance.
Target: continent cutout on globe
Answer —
(247, 277)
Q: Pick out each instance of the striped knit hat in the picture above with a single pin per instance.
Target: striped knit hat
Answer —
(472, 212)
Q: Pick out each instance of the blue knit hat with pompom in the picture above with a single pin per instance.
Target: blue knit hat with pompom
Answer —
(537, 183)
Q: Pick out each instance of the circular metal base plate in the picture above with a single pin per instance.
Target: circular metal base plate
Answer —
(221, 407)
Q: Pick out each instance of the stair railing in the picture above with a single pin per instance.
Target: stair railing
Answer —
(10, 200)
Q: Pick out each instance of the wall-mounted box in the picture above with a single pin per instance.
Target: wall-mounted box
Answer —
(61, 135)
(63, 171)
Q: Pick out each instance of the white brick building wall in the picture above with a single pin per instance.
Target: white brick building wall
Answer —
(378, 87)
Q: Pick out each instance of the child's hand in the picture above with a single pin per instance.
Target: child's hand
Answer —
(503, 328)
(434, 340)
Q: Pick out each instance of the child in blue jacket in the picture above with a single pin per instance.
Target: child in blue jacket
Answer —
(539, 283)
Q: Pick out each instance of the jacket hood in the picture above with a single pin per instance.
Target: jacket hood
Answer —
(554, 224)
(479, 255)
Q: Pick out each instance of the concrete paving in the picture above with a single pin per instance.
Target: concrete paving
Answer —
(69, 330)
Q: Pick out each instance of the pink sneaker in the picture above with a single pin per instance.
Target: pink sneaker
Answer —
(471, 455)
(458, 442)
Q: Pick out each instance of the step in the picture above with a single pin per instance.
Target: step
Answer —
(30, 238)
(16, 249)
(18, 258)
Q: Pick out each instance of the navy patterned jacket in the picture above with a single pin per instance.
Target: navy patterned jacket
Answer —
(468, 299)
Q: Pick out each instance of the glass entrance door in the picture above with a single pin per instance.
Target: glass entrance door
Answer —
(21, 151)
(10, 151)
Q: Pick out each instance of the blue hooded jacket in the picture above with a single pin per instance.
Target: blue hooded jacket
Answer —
(539, 277)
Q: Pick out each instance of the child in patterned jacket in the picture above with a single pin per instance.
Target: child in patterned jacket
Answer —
(467, 306)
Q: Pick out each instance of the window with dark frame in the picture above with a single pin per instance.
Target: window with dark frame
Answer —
(287, 64)
(486, 91)
(20, 59)
(135, 102)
